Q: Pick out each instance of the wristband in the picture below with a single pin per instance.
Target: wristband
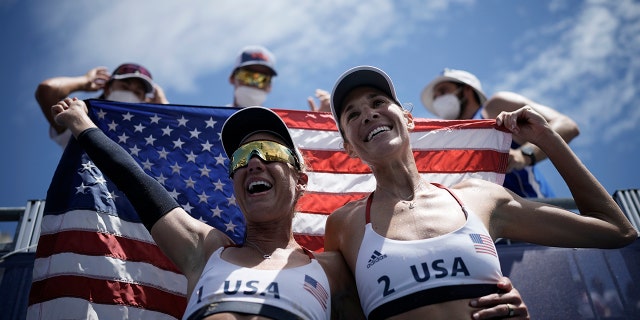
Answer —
(528, 152)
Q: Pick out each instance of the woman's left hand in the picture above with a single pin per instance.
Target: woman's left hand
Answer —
(505, 305)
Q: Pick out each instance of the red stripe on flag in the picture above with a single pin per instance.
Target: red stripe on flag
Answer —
(325, 203)
(333, 161)
(436, 124)
(101, 244)
(297, 119)
(440, 161)
(313, 243)
(456, 161)
(104, 291)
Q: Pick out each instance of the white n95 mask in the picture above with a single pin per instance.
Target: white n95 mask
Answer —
(123, 96)
(249, 96)
(447, 106)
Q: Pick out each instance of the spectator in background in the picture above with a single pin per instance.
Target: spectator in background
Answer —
(457, 94)
(130, 82)
(324, 97)
(251, 76)
(251, 79)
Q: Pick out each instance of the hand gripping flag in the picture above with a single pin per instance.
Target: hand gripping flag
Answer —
(95, 259)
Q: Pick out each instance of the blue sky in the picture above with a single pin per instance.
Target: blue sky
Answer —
(580, 57)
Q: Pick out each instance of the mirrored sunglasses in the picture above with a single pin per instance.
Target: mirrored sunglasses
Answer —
(266, 150)
(253, 79)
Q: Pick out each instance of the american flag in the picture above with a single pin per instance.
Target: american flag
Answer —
(317, 290)
(483, 244)
(96, 260)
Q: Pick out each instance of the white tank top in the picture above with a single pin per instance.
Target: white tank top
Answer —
(396, 276)
(294, 293)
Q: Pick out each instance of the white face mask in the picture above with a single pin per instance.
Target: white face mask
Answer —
(123, 96)
(249, 96)
(447, 106)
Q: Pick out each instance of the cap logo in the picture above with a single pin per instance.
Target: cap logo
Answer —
(255, 56)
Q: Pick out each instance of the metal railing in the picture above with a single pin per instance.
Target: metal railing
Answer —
(629, 201)
(27, 229)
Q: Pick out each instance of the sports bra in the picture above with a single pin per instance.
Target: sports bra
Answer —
(295, 293)
(396, 276)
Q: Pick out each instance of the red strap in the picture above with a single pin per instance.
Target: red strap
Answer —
(370, 200)
(368, 209)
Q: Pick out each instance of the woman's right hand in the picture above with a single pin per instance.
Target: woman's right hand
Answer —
(97, 78)
(526, 124)
(72, 113)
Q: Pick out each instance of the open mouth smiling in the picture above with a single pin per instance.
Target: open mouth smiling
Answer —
(377, 131)
(258, 186)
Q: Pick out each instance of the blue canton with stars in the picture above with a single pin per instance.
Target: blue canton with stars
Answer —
(180, 147)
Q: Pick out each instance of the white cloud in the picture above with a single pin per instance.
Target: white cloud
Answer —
(183, 40)
(586, 67)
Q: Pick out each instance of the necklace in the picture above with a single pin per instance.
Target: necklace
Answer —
(255, 246)
(411, 203)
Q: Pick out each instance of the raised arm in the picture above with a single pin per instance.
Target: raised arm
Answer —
(600, 224)
(558, 122)
(52, 90)
(184, 239)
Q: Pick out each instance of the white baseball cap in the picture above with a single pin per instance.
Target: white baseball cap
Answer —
(358, 77)
(453, 75)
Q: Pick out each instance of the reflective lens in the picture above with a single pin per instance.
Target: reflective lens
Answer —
(265, 150)
(253, 79)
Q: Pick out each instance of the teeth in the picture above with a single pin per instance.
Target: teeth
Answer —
(376, 131)
(259, 186)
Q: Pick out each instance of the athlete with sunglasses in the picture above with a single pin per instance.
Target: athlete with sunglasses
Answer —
(269, 276)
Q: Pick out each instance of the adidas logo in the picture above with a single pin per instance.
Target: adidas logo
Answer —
(375, 257)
